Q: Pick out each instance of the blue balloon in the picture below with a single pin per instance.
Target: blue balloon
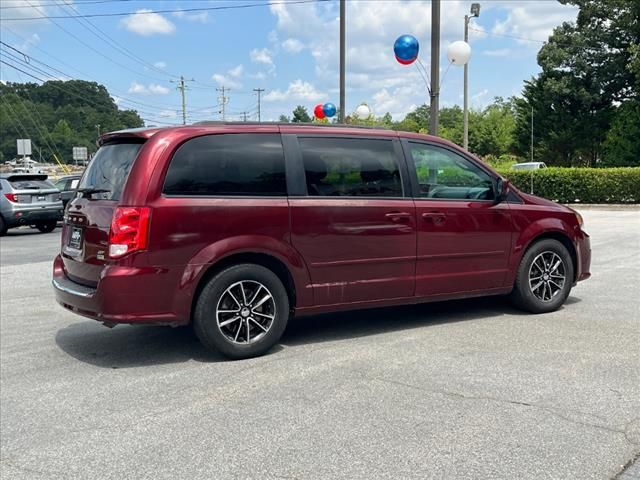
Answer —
(406, 49)
(329, 109)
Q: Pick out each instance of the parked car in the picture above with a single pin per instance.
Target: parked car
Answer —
(67, 186)
(28, 199)
(528, 166)
(235, 228)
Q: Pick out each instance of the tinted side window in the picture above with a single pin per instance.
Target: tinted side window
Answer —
(227, 165)
(444, 174)
(351, 167)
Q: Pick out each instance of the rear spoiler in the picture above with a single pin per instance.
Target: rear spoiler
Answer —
(25, 176)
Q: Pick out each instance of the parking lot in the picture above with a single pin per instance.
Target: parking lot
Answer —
(469, 389)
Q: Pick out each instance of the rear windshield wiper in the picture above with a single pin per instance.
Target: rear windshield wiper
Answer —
(92, 190)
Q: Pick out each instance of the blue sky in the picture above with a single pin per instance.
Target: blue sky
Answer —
(289, 49)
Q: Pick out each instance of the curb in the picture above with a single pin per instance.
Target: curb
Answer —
(603, 206)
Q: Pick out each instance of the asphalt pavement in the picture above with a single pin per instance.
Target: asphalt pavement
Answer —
(463, 390)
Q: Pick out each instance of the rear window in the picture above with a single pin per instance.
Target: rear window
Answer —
(109, 169)
(228, 165)
(30, 184)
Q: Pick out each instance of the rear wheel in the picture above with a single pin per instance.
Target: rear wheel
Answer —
(544, 278)
(46, 227)
(3, 227)
(242, 311)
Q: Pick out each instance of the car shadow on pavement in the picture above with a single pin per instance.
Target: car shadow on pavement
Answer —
(361, 323)
(128, 346)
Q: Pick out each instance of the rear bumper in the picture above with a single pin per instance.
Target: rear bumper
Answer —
(123, 295)
(29, 216)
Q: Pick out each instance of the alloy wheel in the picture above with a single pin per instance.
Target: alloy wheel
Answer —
(547, 276)
(245, 312)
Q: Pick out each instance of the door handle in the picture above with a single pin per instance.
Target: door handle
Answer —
(435, 217)
(397, 216)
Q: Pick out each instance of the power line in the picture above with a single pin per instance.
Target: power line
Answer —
(30, 58)
(183, 10)
(90, 47)
(121, 49)
(87, 2)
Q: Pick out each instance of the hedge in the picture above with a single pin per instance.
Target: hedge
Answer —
(580, 185)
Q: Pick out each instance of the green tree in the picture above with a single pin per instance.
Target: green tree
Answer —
(284, 119)
(300, 115)
(622, 145)
(57, 116)
(587, 68)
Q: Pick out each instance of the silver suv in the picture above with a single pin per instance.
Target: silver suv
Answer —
(28, 199)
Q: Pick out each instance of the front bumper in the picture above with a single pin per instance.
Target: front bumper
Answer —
(123, 295)
(583, 252)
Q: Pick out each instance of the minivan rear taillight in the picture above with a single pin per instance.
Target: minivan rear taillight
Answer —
(129, 230)
(12, 197)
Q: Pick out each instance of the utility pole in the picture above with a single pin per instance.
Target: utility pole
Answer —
(182, 87)
(435, 67)
(343, 9)
(244, 116)
(259, 91)
(223, 100)
(532, 133)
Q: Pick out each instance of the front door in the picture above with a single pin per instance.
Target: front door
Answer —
(464, 237)
(355, 228)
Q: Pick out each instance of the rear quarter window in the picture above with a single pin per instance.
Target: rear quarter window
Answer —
(109, 169)
(228, 165)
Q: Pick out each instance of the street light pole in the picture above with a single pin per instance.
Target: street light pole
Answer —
(435, 67)
(475, 12)
(343, 8)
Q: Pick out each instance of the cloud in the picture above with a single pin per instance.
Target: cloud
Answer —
(160, 64)
(372, 29)
(236, 72)
(479, 95)
(21, 9)
(262, 55)
(293, 45)
(32, 40)
(297, 91)
(146, 24)
(532, 20)
(201, 17)
(168, 114)
(151, 89)
(225, 80)
(500, 52)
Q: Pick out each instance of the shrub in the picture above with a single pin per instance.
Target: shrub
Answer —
(580, 185)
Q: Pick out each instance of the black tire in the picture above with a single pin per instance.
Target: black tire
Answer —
(551, 292)
(215, 293)
(47, 227)
(3, 227)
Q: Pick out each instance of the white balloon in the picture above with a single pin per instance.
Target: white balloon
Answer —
(363, 111)
(459, 53)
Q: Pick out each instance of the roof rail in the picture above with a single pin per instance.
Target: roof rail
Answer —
(288, 124)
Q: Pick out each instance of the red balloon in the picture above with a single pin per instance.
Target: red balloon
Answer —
(406, 62)
(319, 112)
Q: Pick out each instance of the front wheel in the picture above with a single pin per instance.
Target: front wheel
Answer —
(242, 311)
(46, 227)
(544, 277)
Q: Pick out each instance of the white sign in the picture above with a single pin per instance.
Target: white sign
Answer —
(80, 153)
(24, 146)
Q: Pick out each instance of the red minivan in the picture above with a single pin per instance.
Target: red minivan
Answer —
(237, 227)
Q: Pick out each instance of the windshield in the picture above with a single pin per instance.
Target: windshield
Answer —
(109, 169)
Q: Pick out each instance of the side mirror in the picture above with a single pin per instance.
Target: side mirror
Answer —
(501, 190)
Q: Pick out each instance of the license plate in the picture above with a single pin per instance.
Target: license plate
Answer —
(75, 240)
